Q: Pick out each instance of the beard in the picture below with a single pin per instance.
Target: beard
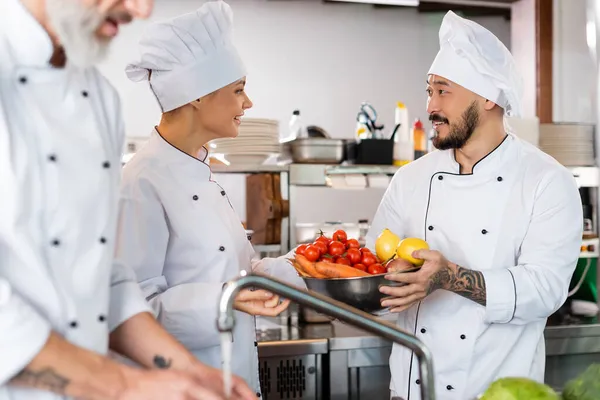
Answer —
(460, 133)
(76, 25)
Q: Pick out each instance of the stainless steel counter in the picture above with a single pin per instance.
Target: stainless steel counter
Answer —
(337, 346)
(560, 340)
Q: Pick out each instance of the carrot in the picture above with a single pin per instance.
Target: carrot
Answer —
(338, 270)
(300, 270)
(308, 267)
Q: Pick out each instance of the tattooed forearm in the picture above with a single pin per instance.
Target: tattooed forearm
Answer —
(45, 379)
(462, 281)
(161, 362)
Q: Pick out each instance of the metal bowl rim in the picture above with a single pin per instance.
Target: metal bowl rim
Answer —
(361, 277)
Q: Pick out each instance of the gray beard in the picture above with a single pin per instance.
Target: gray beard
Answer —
(75, 26)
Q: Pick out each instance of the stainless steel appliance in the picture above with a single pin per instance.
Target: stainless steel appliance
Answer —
(226, 321)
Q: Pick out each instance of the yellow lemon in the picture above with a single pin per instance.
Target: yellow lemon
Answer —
(385, 245)
(406, 248)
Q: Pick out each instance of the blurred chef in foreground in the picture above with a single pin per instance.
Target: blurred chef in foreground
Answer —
(177, 228)
(63, 300)
(503, 221)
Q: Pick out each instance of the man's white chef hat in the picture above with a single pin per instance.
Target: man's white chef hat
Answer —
(474, 58)
(189, 56)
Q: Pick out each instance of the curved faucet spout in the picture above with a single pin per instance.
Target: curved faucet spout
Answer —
(336, 309)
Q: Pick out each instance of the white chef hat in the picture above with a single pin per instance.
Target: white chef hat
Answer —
(474, 58)
(189, 56)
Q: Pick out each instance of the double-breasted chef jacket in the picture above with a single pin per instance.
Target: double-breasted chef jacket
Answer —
(179, 232)
(61, 136)
(518, 219)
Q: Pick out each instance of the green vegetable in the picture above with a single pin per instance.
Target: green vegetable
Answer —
(585, 387)
(519, 389)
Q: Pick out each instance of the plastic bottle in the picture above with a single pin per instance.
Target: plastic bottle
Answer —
(403, 142)
(420, 139)
(297, 130)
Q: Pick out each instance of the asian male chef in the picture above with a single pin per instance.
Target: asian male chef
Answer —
(503, 221)
(63, 300)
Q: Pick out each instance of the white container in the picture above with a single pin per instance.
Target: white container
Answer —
(403, 140)
(296, 130)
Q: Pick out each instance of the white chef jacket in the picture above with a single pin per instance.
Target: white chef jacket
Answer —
(179, 232)
(61, 135)
(518, 219)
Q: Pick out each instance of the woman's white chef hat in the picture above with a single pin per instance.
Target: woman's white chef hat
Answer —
(474, 58)
(189, 56)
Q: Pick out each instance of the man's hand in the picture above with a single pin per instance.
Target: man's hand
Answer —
(143, 340)
(212, 378)
(436, 273)
(419, 284)
(168, 384)
(260, 302)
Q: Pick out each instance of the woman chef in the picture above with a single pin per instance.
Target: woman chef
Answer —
(177, 228)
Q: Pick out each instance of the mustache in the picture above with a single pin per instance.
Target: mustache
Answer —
(120, 17)
(438, 118)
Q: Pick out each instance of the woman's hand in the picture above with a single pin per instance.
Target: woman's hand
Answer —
(260, 302)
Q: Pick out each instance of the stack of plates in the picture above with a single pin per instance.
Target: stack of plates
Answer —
(571, 145)
(257, 141)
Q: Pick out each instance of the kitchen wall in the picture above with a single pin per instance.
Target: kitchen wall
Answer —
(324, 59)
(574, 70)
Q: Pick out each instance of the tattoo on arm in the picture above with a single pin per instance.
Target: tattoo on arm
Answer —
(462, 281)
(45, 379)
(161, 362)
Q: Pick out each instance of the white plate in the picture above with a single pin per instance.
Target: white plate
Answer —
(252, 159)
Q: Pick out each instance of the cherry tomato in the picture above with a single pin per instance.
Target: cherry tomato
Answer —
(323, 239)
(368, 259)
(376, 269)
(344, 261)
(352, 244)
(340, 236)
(360, 266)
(312, 253)
(336, 248)
(354, 256)
(327, 260)
(301, 249)
(365, 250)
(321, 246)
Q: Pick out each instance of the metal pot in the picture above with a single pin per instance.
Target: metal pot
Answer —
(362, 292)
(317, 151)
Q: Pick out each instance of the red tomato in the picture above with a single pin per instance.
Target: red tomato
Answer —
(312, 253)
(376, 269)
(354, 256)
(352, 244)
(360, 266)
(301, 249)
(340, 236)
(368, 259)
(321, 246)
(336, 248)
(365, 250)
(322, 239)
(327, 259)
(344, 261)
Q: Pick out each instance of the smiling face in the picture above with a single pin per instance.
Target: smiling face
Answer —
(454, 111)
(220, 112)
(84, 28)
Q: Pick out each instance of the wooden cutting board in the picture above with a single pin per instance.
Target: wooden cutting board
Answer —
(265, 208)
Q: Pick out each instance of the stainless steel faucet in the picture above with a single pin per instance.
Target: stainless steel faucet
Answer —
(326, 305)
